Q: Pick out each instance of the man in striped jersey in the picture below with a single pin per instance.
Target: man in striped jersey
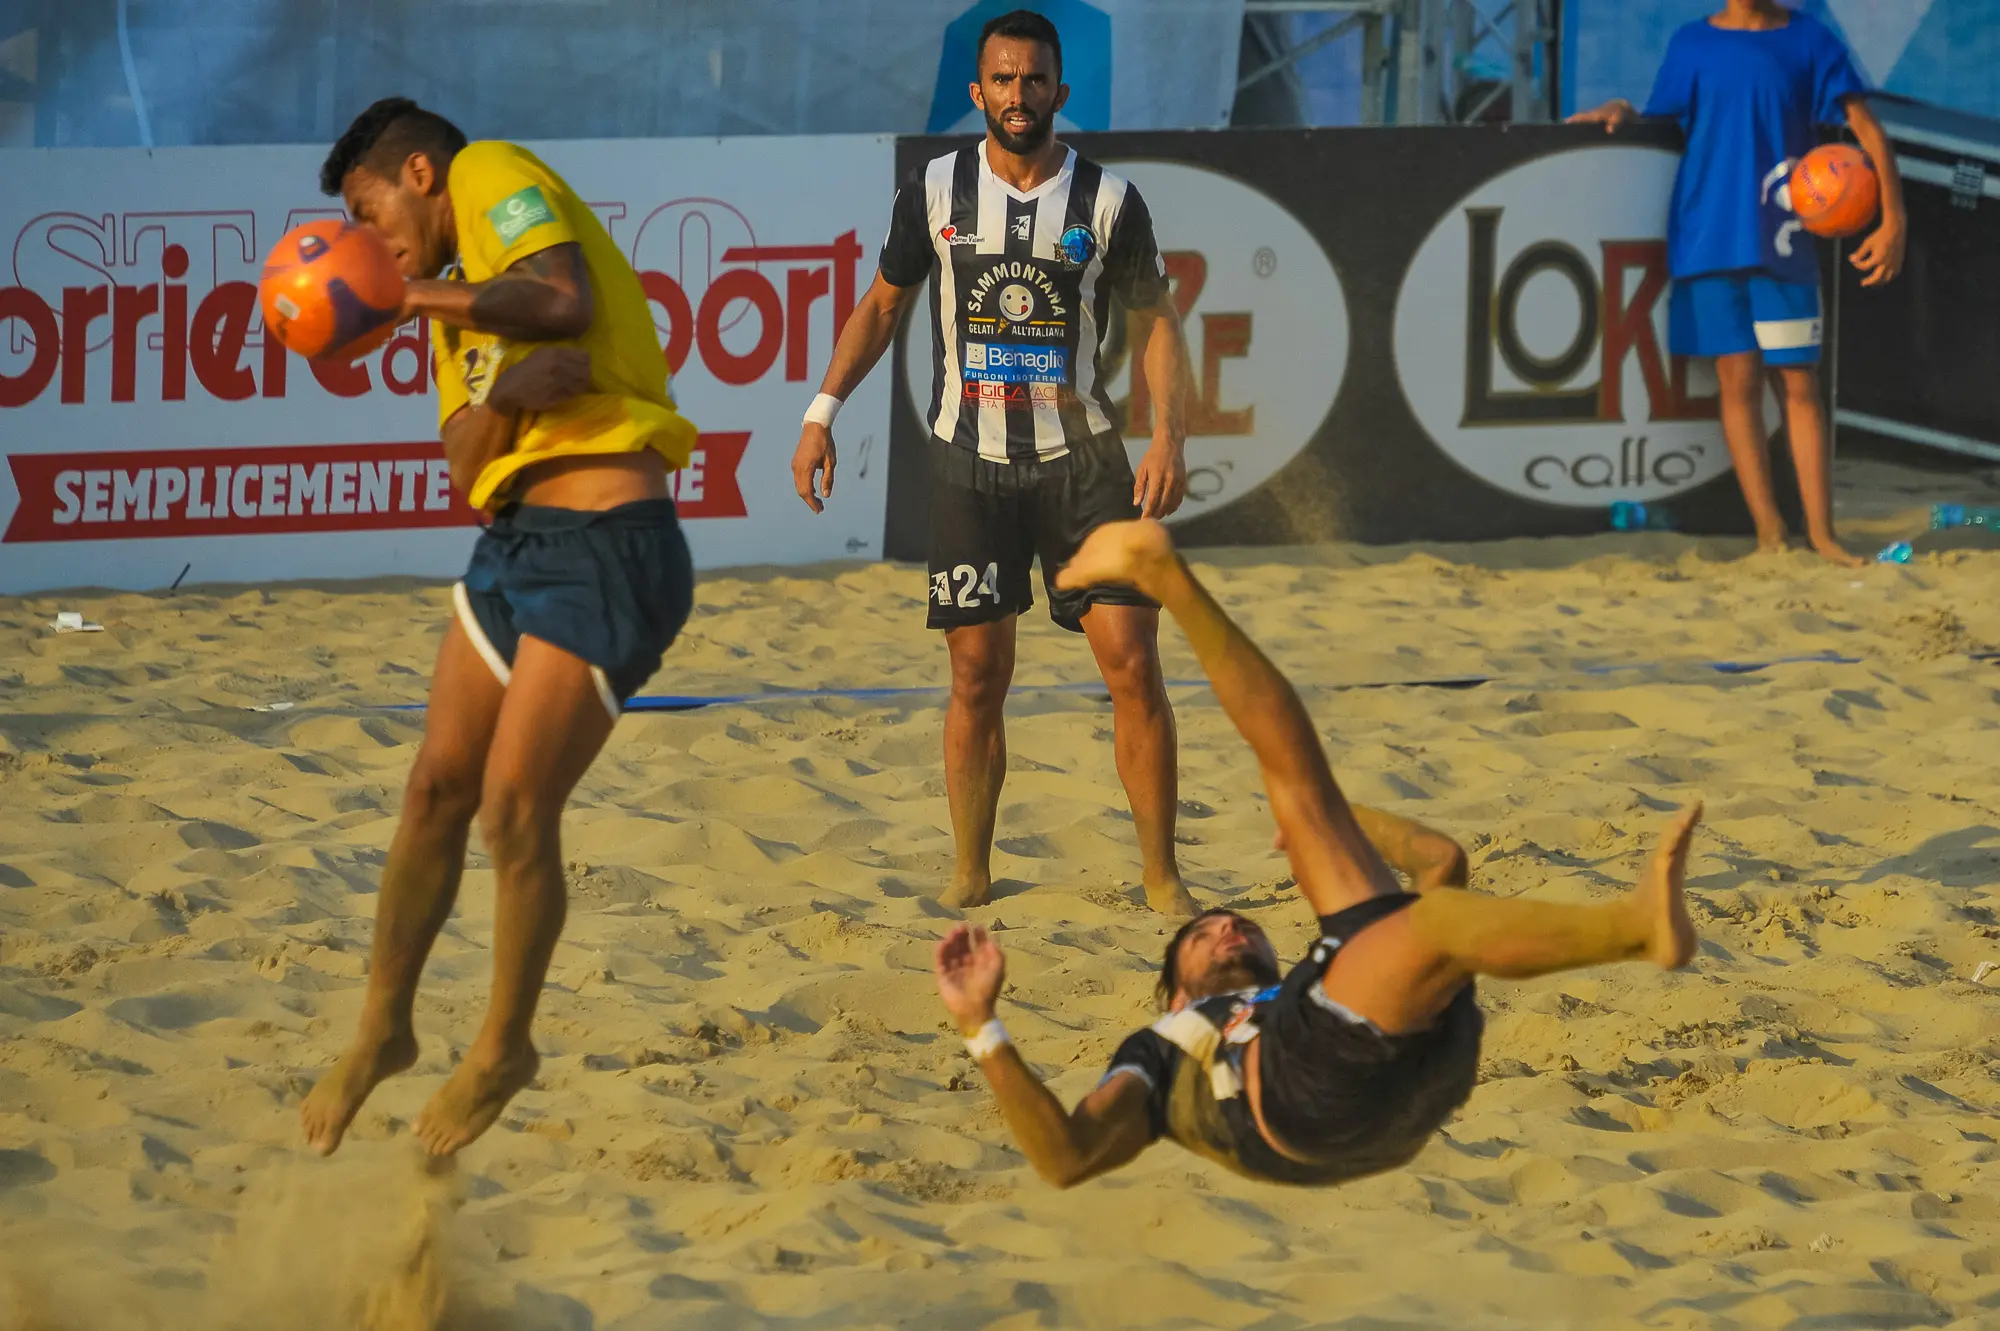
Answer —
(1026, 246)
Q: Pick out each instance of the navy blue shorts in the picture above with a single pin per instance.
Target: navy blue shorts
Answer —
(611, 588)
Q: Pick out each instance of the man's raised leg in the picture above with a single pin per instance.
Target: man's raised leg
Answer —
(1125, 640)
(419, 884)
(1401, 971)
(1333, 861)
(975, 750)
(551, 725)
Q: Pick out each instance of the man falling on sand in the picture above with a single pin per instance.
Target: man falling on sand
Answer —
(1023, 242)
(1347, 1065)
(556, 415)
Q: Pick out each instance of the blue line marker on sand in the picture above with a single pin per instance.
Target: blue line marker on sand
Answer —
(692, 702)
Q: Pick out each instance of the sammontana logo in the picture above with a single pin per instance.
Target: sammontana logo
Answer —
(1012, 271)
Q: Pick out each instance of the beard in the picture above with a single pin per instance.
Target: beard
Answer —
(1248, 969)
(1028, 140)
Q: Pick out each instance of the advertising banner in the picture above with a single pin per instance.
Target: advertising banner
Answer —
(148, 426)
(1403, 334)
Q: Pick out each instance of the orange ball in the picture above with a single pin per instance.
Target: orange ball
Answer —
(331, 291)
(1834, 190)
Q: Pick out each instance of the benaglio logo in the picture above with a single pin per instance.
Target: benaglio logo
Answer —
(1531, 336)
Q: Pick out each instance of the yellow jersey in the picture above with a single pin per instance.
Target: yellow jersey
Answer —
(508, 204)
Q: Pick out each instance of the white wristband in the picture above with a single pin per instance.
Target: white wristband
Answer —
(987, 1040)
(823, 409)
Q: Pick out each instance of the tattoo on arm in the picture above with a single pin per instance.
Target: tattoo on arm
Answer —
(544, 297)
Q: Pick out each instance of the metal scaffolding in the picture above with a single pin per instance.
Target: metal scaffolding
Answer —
(1424, 62)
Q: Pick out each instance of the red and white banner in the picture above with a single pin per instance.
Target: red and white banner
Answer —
(148, 424)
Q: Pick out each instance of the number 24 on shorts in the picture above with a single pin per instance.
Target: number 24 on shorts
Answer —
(971, 587)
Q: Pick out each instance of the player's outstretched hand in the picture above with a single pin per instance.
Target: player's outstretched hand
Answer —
(546, 377)
(970, 970)
(812, 466)
(1160, 482)
(1880, 256)
(1614, 115)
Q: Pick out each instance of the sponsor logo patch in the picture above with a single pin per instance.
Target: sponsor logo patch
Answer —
(1001, 363)
(519, 213)
(951, 235)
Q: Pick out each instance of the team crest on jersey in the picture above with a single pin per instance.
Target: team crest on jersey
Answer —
(1076, 247)
(951, 235)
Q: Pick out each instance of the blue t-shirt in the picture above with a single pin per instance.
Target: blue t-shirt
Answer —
(1748, 102)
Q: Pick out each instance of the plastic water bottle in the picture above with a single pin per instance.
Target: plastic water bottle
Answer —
(1944, 516)
(1628, 516)
(1897, 553)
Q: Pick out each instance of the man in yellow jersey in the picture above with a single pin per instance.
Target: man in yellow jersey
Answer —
(557, 418)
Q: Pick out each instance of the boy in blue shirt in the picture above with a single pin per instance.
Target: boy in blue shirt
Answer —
(1748, 87)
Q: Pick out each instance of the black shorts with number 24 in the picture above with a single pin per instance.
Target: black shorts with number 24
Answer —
(989, 521)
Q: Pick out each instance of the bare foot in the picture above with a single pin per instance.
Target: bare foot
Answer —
(1171, 898)
(1833, 552)
(1127, 553)
(338, 1096)
(967, 891)
(466, 1105)
(1773, 545)
(1662, 897)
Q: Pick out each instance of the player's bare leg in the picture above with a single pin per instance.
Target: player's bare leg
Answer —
(551, 725)
(419, 884)
(1740, 385)
(1424, 855)
(1401, 971)
(1331, 857)
(975, 751)
(1125, 641)
(1805, 424)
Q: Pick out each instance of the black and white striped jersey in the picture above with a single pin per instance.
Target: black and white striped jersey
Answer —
(1021, 288)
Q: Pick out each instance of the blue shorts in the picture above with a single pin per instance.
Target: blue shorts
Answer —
(1721, 314)
(611, 588)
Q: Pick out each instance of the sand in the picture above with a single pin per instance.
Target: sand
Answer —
(750, 1111)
